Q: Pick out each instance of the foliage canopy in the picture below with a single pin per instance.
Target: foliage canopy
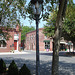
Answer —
(26, 29)
(68, 24)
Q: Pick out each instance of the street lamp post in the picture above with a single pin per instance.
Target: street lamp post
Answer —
(37, 7)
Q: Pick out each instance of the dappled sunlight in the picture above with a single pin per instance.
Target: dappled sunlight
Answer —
(66, 67)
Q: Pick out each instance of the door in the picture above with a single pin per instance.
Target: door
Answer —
(15, 44)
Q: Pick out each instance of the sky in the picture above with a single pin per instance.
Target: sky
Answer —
(27, 23)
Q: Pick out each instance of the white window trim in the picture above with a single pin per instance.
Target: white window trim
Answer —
(3, 47)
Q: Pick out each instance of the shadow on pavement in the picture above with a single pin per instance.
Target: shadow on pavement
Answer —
(66, 68)
(60, 54)
(48, 54)
(45, 66)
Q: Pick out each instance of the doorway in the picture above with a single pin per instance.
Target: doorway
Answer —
(15, 44)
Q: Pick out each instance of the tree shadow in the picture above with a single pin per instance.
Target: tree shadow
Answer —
(45, 66)
(48, 54)
(19, 62)
(66, 68)
(63, 54)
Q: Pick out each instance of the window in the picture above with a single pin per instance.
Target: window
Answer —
(62, 47)
(32, 36)
(2, 43)
(45, 37)
(47, 45)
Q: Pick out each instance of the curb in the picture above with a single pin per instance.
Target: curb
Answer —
(10, 53)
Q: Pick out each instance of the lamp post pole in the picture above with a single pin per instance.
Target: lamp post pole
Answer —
(37, 8)
(37, 47)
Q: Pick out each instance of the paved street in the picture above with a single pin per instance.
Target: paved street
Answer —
(66, 63)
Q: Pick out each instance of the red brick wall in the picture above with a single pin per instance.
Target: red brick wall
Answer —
(41, 40)
(30, 42)
(11, 41)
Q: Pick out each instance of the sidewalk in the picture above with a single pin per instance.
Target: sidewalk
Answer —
(23, 52)
(17, 52)
(39, 51)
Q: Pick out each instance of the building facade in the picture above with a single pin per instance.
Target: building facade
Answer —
(14, 41)
(45, 43)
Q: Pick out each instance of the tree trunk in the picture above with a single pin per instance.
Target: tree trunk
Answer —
(57, 36)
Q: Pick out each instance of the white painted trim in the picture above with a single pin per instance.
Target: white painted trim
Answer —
(17, 45)
(3, 47)
(62, 42)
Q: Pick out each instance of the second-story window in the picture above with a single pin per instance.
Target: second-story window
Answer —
(2, 43)
(45, 37)
(47, 45)
(32, 36)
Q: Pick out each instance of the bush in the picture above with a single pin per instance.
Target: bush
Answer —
(24, 70)
(13, 69)
(2, 66)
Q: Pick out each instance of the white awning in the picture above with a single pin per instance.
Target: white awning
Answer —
(63, 42)
(16, 37)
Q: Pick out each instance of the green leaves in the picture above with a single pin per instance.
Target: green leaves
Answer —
(13, 69)
(9, 9)
(26, 29)
(49, 31)
(69, 22)
(68, 31)
(2, 66)
(49, 28)
(24, 70)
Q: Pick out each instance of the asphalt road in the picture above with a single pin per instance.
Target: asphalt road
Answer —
(66, 63)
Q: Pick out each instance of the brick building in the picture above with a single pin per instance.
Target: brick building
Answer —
(45, 44)
(14, 41)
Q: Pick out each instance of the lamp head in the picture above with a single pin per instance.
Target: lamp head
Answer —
(35, 1)
(37, 6)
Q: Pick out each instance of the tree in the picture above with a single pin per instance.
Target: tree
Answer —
(26, 29)
(57, 36)
(6, 5)
(12, 69)
(24, 70)
(49, 28)
(2, 66)
(11, 11)
(68, 24)
(58, 28)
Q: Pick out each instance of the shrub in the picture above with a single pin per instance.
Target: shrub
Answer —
(24, 70)
(2, 66)
(13, 69)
